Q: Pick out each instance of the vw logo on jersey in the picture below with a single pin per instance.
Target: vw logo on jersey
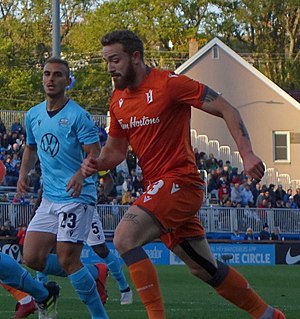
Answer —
(50, 144)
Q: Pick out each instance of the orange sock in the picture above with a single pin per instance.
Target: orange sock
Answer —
(18, 294)
(235, 288)
(144, 277)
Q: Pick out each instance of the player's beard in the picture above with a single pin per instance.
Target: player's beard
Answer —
(126, 80)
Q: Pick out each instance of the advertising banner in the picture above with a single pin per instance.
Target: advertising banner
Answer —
(244, 254)
(288, 253)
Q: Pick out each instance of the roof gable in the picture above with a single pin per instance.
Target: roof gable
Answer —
(217, 42)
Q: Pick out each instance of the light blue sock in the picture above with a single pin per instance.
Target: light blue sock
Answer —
(53, 267)
(114, 266)
(40, 276)
(93, 270)
(12, 274)
(85, 287)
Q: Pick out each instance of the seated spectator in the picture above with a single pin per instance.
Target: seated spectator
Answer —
(201, 164)
(276, 233)
(213, 184)
(102, 134)
(101, 197)
(297, 197)
(211, 163)
(10, 230)
(236, 193)
(279, 193)
(2, 154)
(256, 191)
(272, 195)
(223, 193)
(265, 234)
(249, 234)
(138, 185)
(12, 173)
(260, 198)
(236, 236)
(126, 198)
(286, 197)
(291, 203)
(131, 159)
(279, 204)
(247, 196)
(197, 155)
(17, 126)
(127, 185)
(4, 198)
(3, 232)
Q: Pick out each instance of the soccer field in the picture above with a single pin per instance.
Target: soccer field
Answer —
(184, 296)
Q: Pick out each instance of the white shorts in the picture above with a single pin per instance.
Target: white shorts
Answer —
(96, 234)
(71, 222)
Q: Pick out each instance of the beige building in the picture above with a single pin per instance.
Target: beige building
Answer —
(271, 115)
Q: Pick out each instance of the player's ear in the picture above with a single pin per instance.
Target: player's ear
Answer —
(136, 57)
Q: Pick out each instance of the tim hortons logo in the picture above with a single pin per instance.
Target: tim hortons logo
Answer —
(134, 122)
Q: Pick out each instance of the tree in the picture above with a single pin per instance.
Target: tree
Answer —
(270, 30)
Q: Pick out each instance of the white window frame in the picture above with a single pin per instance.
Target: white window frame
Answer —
(288, 149)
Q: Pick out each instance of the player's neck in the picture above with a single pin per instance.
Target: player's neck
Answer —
(54, 104)
(141, 74)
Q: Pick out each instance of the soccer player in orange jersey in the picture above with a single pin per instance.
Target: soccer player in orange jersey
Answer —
(150, 110)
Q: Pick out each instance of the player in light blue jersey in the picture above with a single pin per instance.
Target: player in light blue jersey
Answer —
(61, 133)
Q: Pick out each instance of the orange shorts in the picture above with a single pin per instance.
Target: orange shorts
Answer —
(174, 204)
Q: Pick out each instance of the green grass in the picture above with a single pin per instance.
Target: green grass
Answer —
(185, 297)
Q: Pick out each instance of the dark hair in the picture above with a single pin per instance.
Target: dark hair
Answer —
(54, 59)
(130, 41)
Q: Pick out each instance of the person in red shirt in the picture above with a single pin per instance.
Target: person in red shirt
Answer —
(150, 110)
(21, 236)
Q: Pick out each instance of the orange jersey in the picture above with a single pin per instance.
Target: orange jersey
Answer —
(155, 119)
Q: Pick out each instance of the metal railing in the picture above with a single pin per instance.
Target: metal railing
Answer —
(214, 218)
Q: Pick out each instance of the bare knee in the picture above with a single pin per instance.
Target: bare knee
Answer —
(36, 262)
(122, 244)
(101, 250)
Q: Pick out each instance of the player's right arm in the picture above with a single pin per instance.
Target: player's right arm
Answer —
(112, 154)
(28, 161)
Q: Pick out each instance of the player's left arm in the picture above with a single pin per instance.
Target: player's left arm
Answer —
(75, 184)
(215, 104)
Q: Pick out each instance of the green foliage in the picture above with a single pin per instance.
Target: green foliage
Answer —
(269, 30)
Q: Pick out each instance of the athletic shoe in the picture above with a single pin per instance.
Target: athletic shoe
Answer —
(48, 308)
(24, 310)
(101, 281)
(126, 297)
(277, 314)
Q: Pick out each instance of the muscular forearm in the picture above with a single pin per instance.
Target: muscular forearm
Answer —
(218, 106)
(28, 160)
(109, 158)
(238, 130)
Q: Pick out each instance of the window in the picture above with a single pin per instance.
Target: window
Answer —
(215, 53)
(281, 142)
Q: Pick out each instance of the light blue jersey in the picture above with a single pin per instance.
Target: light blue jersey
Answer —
(59, 139)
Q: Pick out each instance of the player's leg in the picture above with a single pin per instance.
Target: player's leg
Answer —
(12, 274)
(40, 237)
(136, 229)
(115, 268)
(228, 283)
(96, 240)
(73, 228)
